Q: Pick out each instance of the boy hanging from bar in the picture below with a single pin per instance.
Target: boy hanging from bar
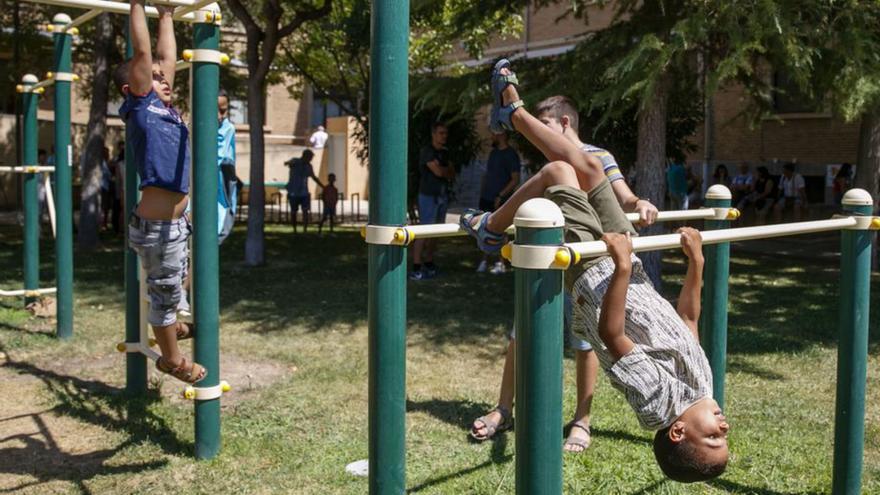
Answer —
(649, 350)
(559, 113)
(159, 227)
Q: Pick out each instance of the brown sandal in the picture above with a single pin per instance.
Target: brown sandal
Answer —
(492, 428)
(185, 331)
(582, 443)
(189, 372)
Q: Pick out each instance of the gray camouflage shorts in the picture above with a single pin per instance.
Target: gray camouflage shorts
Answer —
(162, 248)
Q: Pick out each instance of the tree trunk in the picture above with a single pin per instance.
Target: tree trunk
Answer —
(868, 166)
(90, 204)
(254, 250)
(650, 163)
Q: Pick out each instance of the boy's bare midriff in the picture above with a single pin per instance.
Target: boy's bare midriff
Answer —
(161, 204)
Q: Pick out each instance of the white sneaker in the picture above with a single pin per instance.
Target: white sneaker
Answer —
(498, 269)
(482, 267)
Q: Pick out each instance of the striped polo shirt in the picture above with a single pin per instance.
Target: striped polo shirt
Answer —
(667, 370)
(609, 164)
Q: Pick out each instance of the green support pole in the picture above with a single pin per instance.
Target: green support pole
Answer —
(539, 308)
(31, 202)
(135, 362)
(852, 350)
(63, 180)
(389, 101)
(713, 320)
(206, 280)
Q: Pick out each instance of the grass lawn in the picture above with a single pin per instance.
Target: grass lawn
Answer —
(294, 338)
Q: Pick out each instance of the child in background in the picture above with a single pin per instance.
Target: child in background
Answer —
(330, 196)
(159, 227)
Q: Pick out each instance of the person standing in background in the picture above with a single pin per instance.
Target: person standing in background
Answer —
(227, 191)
(298, 187)
(676, 184)
(318, 139)
(435, 174)
(499, 182)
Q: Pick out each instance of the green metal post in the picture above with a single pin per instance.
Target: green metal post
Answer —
(852, 350)
(539, 307)
(135, 362)
(206, 280)
(713, 320)
(389, 94)
(30, 200)
(63, 180)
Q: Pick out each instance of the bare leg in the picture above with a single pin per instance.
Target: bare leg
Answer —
(429, 247)
(554, 145)
(777, 211)
(508, 389)
(418, 245)
(587, 368)
(166, 337)
(555, 173)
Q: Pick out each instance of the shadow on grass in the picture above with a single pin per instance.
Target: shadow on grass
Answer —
(619, 435)
(496, 456)
(458, 413)
(733, 487)
(89, 401)
(736, 365)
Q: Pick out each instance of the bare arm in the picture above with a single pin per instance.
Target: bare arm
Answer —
(436, 169)
(166, 44)
(140, 72)
(632, 203)
(689, 298)
(613, 314)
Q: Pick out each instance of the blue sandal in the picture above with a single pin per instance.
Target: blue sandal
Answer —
(499, 119)
(489, 242)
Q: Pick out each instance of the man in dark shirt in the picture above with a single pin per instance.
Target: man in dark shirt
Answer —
(435, 175)
(499, 182)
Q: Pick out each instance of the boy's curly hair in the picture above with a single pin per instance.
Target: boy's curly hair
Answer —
(680, 461)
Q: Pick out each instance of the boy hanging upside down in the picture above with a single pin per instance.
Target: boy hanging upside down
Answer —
(649, 350)
(159, 227)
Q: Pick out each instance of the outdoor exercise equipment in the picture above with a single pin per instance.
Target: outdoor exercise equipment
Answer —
(204, 58)
(539, 297)
(538, 317)
(59, 200)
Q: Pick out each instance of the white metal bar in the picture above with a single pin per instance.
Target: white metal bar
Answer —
(27, 169)
(79, 21)
(173, 3)
(28, 293)
(678, 215)
(45, 83)
(106, 6)
(50, 201)
(196, 5)
(182, 65)
(670, 241)
(454, 230)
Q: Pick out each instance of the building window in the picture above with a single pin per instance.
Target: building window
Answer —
(788, 97)
(323, 109)
(237, 111)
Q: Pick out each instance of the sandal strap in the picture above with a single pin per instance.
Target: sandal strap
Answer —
(581, 425)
